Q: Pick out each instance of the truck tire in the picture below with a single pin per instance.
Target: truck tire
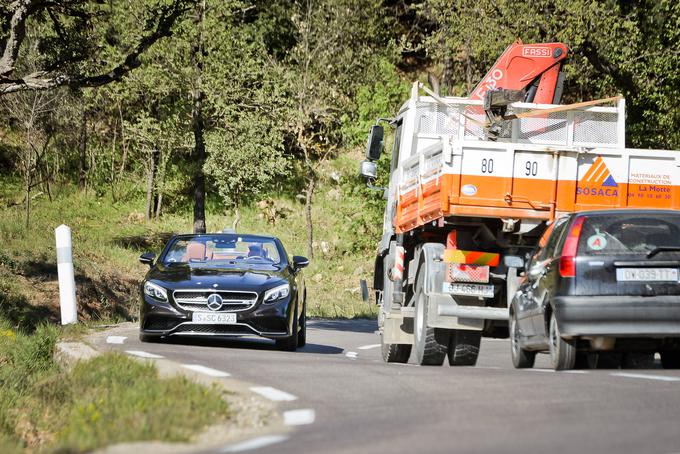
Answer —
(431, 344)
(464, 347)
(562, 352)
(521, 359)
(391, 353)
(395, 353)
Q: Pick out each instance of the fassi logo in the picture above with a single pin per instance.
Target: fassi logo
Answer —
(598, 181)
(536, 52)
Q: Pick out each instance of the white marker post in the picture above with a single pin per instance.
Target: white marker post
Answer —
(67, 282)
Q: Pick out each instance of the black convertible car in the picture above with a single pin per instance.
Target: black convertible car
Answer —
(224, 284)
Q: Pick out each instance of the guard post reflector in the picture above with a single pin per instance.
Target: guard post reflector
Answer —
(471, 257)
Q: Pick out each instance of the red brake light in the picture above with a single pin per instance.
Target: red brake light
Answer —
(568, 258)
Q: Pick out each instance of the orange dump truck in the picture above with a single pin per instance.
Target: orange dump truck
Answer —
(466, 203)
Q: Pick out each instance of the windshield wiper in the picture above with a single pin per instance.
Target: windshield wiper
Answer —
(658, 249)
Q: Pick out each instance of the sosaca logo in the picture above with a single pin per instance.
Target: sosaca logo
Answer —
(598, 181)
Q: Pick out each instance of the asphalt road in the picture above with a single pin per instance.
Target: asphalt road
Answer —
(343, 398)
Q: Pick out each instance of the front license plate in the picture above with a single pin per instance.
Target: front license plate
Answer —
(213, 318)
(647, 274)
(485, 291)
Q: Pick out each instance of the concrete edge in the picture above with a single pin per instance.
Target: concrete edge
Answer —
(250, 414)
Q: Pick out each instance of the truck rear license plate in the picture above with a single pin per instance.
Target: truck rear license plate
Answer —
(647, 274)
(213, 318)
(453, 288)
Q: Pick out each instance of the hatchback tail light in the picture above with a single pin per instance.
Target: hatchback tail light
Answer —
(568, 258)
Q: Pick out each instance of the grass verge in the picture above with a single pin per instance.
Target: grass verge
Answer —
(109, 235)
(106, 400)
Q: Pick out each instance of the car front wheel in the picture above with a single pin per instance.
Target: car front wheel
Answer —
(290, 343)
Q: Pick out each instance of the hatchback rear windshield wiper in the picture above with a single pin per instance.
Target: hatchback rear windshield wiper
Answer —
(658, 249)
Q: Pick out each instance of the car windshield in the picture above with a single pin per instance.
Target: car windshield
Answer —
(223, 249)
(629, 234)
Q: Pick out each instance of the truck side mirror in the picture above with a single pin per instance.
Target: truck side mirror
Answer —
(368, 170)
(375, 142)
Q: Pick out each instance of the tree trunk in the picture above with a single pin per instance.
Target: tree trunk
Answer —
(82, 150)
(309, 195)
(197, 122)
(151, 175)
(237, 219)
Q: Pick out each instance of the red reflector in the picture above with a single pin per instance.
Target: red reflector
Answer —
(568, 258)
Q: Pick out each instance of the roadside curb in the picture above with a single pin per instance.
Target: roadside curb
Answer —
(250, 414)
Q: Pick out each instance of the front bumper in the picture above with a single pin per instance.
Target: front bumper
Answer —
(618, 316)
(164, 319)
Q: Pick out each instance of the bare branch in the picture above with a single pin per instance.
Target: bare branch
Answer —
(44, 80)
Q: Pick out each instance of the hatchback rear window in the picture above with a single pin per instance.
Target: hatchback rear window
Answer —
(629, 234)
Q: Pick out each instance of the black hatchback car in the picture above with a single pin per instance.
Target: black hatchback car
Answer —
(601, 281)
(224, 285)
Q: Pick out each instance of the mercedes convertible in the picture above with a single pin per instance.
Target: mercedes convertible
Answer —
(222, 285)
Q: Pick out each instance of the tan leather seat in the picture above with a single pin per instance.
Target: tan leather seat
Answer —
(195, 251)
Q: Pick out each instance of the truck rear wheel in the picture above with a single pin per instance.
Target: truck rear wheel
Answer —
(395, 353)
(431, 344)
(464, 347)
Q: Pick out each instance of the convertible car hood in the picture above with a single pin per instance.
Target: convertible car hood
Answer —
(225, 278)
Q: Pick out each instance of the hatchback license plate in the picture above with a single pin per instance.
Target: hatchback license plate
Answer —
(213, 318)
(485, 291)
(647, 274)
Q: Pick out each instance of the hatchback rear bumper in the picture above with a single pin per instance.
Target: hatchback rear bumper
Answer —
(618, 316)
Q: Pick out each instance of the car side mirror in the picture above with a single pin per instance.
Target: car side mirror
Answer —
(375, 142)
(300, 262)
(147, 258)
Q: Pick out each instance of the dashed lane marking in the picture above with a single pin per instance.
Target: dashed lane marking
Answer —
(645, 376)
(206, 370)
(299, 417)
(352, 355)
(273, 393)
(256, 443)
(142, 354)
(115, 339)
(368, 347)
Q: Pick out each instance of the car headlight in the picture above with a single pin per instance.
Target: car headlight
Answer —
(155, 291)
(276, 293)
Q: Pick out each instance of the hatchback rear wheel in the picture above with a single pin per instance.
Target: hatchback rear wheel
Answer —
(562, 352)
(521, 358)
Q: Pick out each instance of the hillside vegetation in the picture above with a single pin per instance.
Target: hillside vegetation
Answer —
(132, 120)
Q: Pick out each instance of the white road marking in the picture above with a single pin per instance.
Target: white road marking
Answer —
(273, 393)
(142, 354)
(558, 371)
(256, 443)
(645, 376)
(115, 339)
(206, 370)
(299, 417)
(368, 347)
(352, 355)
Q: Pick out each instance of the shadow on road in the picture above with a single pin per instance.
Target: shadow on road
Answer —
(355, 325)
(250, 344)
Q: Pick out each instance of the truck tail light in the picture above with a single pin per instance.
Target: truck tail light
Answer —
(568, 258)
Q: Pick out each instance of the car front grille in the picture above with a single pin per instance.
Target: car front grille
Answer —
(197, 300)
